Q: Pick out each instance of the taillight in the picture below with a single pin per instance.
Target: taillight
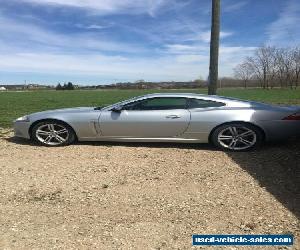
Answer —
(293, 117)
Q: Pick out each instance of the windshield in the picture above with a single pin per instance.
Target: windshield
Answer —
(122, 102)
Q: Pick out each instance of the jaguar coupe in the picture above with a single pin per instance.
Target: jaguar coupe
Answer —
(227, 123)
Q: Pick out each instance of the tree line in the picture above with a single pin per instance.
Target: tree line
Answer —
(66, 86)
(271, 67)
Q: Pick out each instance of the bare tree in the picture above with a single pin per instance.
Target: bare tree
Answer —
(265, 61)
(214, 48)
(254, 67)
(280, 65)
(285, 63)
(272, 66)
(262, 65)
(244, 72)
(296, 65)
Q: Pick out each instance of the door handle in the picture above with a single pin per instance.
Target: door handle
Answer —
(172, 116)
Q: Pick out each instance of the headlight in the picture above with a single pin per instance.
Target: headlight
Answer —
(24, 118)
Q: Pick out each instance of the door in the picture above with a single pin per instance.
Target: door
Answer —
(156, 117)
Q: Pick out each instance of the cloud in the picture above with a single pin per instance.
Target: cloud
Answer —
(183, 49)
(192, 58)
(165, 67)
(197, 48)
(94, 26)
(284, 31)
(205, 36)
(174, 47)
(228, 6)
(234, 7)
(85, 55)
(45, 39)
(179, 62)
(47, 62)
(150, 7)
(162, 68)
(229, 57)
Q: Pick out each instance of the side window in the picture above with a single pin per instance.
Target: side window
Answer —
(130, 106)
(158, 103)
(199, 103)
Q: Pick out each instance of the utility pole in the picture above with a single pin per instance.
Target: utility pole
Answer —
(214, 47)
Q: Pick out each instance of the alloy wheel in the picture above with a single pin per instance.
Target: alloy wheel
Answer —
(237, 138)
(52, 134)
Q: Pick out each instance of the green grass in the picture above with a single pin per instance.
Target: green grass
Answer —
(15, 104)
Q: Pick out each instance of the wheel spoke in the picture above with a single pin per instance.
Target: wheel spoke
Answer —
(42, 132)
(233, 130)
(48, 139)
(51, 127)
(232, 144)
(60, 139)
(225, 137)
(247, 133)
(61, 131)
(246, 142)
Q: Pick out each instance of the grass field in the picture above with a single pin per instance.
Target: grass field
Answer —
(15, 104)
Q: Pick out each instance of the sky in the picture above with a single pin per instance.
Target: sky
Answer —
(108, 41)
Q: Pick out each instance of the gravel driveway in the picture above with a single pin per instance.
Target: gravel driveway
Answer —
(143, 196)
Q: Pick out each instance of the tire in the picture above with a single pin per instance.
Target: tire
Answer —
(237, 137)
(52, 133)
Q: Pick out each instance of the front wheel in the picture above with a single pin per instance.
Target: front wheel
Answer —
(53, 133)
(237, 137)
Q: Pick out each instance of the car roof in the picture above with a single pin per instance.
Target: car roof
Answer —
(228, 101)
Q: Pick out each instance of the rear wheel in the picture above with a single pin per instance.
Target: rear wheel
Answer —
(237, 137)
(53, 133)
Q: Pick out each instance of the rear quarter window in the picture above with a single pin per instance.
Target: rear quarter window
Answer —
(200, 103)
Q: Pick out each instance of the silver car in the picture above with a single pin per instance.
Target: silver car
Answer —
(227, 123)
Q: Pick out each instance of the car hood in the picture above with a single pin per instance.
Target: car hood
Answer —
(65, 110)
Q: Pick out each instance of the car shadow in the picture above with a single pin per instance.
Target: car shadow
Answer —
(19, 140)
(275, 166)
(202, 146)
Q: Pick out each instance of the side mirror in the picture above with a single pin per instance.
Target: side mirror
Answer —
(117, 109)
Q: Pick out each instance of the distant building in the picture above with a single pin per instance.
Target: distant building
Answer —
(12, 87)
(35, 86)
(24, 87)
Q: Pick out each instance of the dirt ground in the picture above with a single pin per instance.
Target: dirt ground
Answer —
(143, 196)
